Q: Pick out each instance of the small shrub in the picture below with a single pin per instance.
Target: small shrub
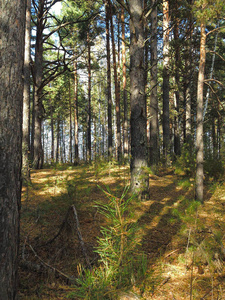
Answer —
(120, 264)
(186, 162)
(214, 168)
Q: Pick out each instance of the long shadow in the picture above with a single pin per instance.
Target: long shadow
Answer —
(162, 224)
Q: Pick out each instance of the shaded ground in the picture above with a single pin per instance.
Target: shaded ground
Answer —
(184, 244)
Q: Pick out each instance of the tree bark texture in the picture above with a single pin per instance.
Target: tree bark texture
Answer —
(154, 152)
(139, 175)
(109, 95)
(199, 119)
(76, 114)
(26, 94)
(117, 94)
(89, 100)
(166, 117)
(125, 121)
(12, 31)
(38, 74)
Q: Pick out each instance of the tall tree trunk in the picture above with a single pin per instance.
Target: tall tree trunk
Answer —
(38, 73)
(76, 114)
(57, 139)
(166, 116)
(139, 175)
(109, 95)
(26, 94)
(188, 81)
(12, 20)
(89, 100)
(199, 128)
(117, 95)
(70, 126)
(52, 133)
(177, 150)
(125, 125)
(154, 152)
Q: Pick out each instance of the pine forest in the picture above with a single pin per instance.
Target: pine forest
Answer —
(112, 149)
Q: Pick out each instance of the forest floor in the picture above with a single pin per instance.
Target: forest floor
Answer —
(183, 242)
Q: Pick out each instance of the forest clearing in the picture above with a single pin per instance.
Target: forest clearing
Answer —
(179, 250)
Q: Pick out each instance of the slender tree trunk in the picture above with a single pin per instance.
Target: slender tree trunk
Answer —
(57, 139)
(125, 125)
(188, 81)
(117, 95)
(166, 116)
(26, 94)
(89, 99)
(38, 150)
(139, 175)
(70, 126)
(12, 31)
(199, 128)
(52, 134)
(154, 152)
(109, 95)
(177, 149)
(76, 114)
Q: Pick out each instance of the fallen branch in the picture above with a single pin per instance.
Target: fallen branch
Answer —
(60, 229)
(61, 274)
(80, 237)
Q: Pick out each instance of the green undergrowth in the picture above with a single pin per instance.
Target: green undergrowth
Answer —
(129, 242)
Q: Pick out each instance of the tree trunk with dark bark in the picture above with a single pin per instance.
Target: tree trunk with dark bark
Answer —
(89, 100)
(166, 116)
(26, 95)
(38, 74)
(12, 20)
(139, 174)
(76, 114)
(154, 151)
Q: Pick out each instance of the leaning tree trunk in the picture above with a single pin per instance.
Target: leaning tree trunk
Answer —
(26, 94)
(139, 174)
(12, 20)
(199, 128)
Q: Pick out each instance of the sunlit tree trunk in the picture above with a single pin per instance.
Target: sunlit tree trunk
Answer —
(76, 114)
(139, 175)
(70, 126)
(117, 95)
(166, 116)
(26, 94)
(154, 151)
(125, 123)
(177, 150)
(12, 31)
(109, 95)
(199, 119)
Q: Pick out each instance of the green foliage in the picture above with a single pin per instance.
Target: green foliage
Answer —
(214, 168)
(119, 264)
(186, 163)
